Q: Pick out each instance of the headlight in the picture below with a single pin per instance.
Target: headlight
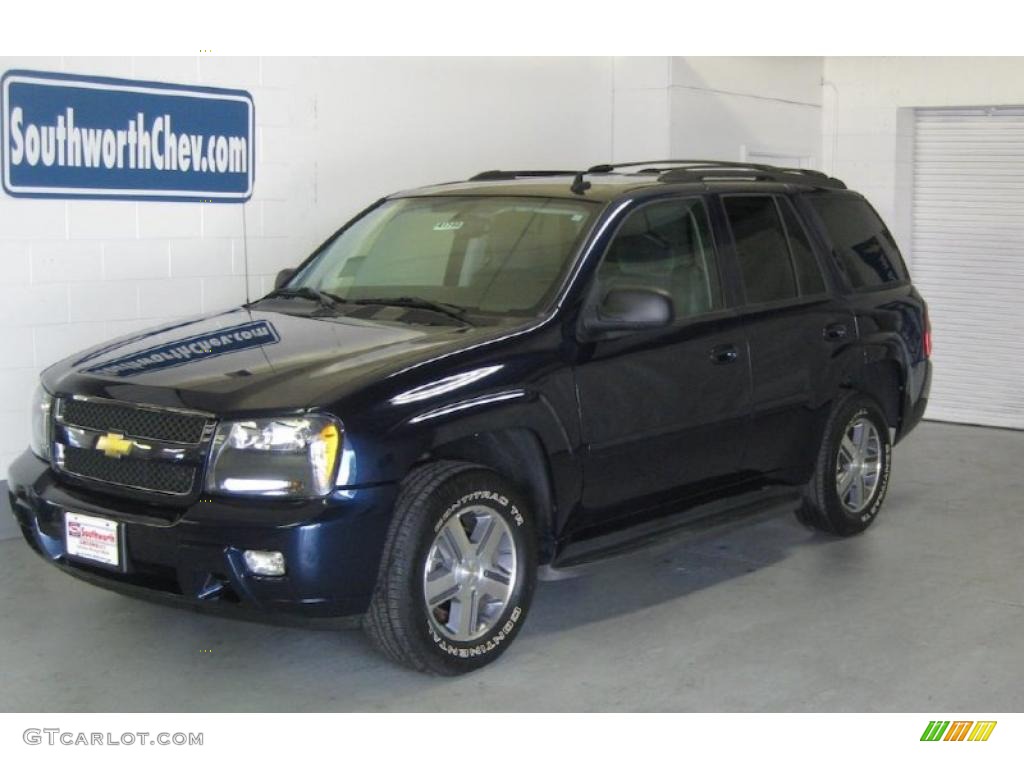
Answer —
(275, 457)
(42, 406)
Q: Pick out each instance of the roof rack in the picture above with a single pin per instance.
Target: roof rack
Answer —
(682, 171)
(578, 187)
(610, 167)
(720, 170)
(508, 175)
(777, 175)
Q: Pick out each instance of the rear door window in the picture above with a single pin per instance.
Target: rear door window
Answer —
(808, 272)
(761, 248)
(862, 243)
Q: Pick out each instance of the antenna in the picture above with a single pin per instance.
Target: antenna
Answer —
(245, 254)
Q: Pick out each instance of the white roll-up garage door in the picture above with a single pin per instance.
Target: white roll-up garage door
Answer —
(968, 260)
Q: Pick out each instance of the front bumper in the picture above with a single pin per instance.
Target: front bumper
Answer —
(193, 555)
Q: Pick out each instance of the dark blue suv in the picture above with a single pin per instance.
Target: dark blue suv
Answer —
(475, 381)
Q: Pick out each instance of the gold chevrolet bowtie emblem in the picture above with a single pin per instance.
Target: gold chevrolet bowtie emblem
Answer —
(114, 445)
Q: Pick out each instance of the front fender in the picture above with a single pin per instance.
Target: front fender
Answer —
(423, 431)
(519, 431)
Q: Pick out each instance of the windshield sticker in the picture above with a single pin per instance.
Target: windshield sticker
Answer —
(447, 226)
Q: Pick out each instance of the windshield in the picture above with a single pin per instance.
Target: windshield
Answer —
(485, 254)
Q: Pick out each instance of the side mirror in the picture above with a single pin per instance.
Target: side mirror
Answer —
(283, 277)
(631, 309)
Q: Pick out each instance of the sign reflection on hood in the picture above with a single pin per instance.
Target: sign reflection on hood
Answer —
(190, 350)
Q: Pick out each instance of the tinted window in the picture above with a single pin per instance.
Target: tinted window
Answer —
(808, 273)
(761, 248)
(865, 248)
(666, 246)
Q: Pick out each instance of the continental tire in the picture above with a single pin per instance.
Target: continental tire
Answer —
(458, 571)
(851, 473)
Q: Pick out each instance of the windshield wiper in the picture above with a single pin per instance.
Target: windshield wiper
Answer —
(323, 298)
(414, 302)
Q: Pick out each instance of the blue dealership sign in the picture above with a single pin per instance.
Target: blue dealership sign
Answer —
(73, 136)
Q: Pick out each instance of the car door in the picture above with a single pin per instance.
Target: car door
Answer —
(794, 326)
(664, 412)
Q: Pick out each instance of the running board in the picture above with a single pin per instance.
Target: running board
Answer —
(747, 509)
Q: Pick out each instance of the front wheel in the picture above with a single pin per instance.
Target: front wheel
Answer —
(458, 571)
(851, 474)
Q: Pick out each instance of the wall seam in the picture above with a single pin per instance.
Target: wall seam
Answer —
(748, 96)
(611, 132)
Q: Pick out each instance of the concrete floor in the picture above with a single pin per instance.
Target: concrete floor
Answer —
(925, 612)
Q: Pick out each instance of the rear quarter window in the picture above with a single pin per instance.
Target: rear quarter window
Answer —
(863, 244)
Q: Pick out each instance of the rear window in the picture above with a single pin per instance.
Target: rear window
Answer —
(864, 246)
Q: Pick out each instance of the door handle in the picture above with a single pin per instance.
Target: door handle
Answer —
(835, 332)
(724, 353)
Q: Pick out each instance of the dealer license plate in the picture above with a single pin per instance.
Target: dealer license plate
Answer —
(92, 538)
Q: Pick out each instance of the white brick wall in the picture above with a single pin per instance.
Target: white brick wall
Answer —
(723, 108)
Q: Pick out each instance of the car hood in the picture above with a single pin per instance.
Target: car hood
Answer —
(250, 360)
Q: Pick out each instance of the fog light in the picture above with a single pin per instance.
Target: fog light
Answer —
(264, 563)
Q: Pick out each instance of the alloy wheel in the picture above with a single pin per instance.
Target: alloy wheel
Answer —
(858, 465)
(470, 573)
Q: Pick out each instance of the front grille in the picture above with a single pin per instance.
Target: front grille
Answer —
(169, 426)
(158, 476)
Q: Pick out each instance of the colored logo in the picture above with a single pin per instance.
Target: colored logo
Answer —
(113, 445)
(958, 730)
(74, 136)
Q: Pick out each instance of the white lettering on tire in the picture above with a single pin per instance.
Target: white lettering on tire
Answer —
(495, 640)
(497, 498)
(479, 649)
(883, 484)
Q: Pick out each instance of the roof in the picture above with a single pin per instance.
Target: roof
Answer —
(603, 183)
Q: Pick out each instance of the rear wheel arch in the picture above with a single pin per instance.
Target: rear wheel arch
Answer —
(883, 381)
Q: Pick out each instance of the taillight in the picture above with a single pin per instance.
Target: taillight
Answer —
(927, 336)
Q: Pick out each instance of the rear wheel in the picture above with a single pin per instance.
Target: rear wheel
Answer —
(851, 473)
(458, 571)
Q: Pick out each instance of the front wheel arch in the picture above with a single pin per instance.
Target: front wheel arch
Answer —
(518, 455)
